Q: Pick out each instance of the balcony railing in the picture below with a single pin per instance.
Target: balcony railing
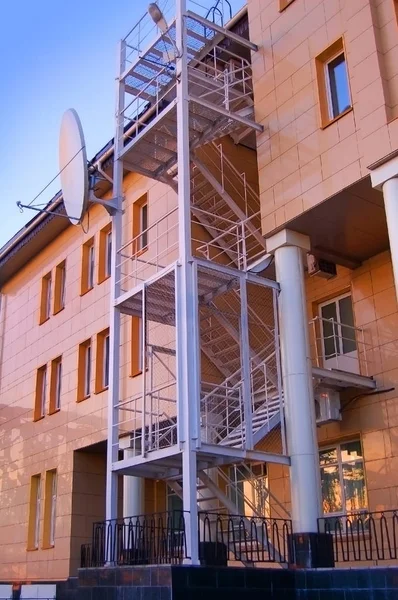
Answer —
(363, 536)
(336, 345)
(160, 538)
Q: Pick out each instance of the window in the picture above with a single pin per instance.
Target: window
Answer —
(59, 291)
(84, 371)
(136, 346)
(34, 512)
(88, 262)
(55, 385)
(140, 225)
(50, 500)
(45, 302)
(284, 4)
(102, 362)
(333, 83)
(342, 479)
(105, 253)
(40, 396)
(248, 489)
(338, 334)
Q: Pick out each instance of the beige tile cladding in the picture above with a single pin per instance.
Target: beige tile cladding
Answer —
(300, 164)
(373, 418)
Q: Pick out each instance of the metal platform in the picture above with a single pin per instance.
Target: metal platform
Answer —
(219, 95)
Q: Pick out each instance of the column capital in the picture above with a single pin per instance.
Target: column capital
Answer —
(287, 237)
(384, 170)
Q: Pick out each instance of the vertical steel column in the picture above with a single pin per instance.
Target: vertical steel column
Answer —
(114, 329)
(245, 364)
(186, 300)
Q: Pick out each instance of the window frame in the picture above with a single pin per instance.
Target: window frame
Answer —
(34, 516)
(88, 266)
(138, 246)
(322, 61)
(50, 502)
(105, 253)
(40, 393)
(101, 368)
(84, 370)
(337, 446)
(45, 299)
(60, 287)
(55, 385)
(136, 346)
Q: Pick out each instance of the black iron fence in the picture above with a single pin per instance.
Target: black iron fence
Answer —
(161, 539)
(363, 536)
(143, 540)
(244, 539)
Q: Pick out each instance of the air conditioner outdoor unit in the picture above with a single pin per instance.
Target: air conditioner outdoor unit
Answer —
(320, 268)
(327, 405)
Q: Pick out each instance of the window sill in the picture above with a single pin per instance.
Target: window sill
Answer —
(37, 419)
(343, 114)
(42, 321)
(136, 374)
(58, 310)
(140, 252)
(54, 411)
(84, 292)
(47, 546)
(32, 549)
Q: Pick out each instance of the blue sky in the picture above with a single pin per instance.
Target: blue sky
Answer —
(55, 54)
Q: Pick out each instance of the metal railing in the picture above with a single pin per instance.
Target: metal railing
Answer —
(340, 346)
(160, 538)
(157, 538)
(363, 536)
(247, 539)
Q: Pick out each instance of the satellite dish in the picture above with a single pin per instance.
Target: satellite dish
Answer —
(73, 166)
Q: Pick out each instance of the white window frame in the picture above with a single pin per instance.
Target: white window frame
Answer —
(106, 359)
(353, 364)
(332, 116)
(87, 370)
(48, 296)
(339, 464)
(43, 392)
(63, 286)
(108, 254)
(91, 266)
(36, 540)
(53, 507)
(143, 232)
(58, 375)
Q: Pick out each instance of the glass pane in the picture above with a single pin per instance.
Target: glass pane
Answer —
(347, 318)
(327, 457)
(351, 451)
(331, 490)
(144, 226)
(338, 80)
(354, 486)
(329, 330)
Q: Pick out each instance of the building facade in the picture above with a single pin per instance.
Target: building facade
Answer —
(317, 176)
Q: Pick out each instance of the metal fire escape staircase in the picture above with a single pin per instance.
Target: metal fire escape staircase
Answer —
(222, 201)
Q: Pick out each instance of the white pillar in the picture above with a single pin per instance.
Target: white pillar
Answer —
(133, 492)
(390, 194)
(287, 247)
(384, 177)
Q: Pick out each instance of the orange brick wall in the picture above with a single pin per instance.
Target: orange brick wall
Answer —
(300, 164)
